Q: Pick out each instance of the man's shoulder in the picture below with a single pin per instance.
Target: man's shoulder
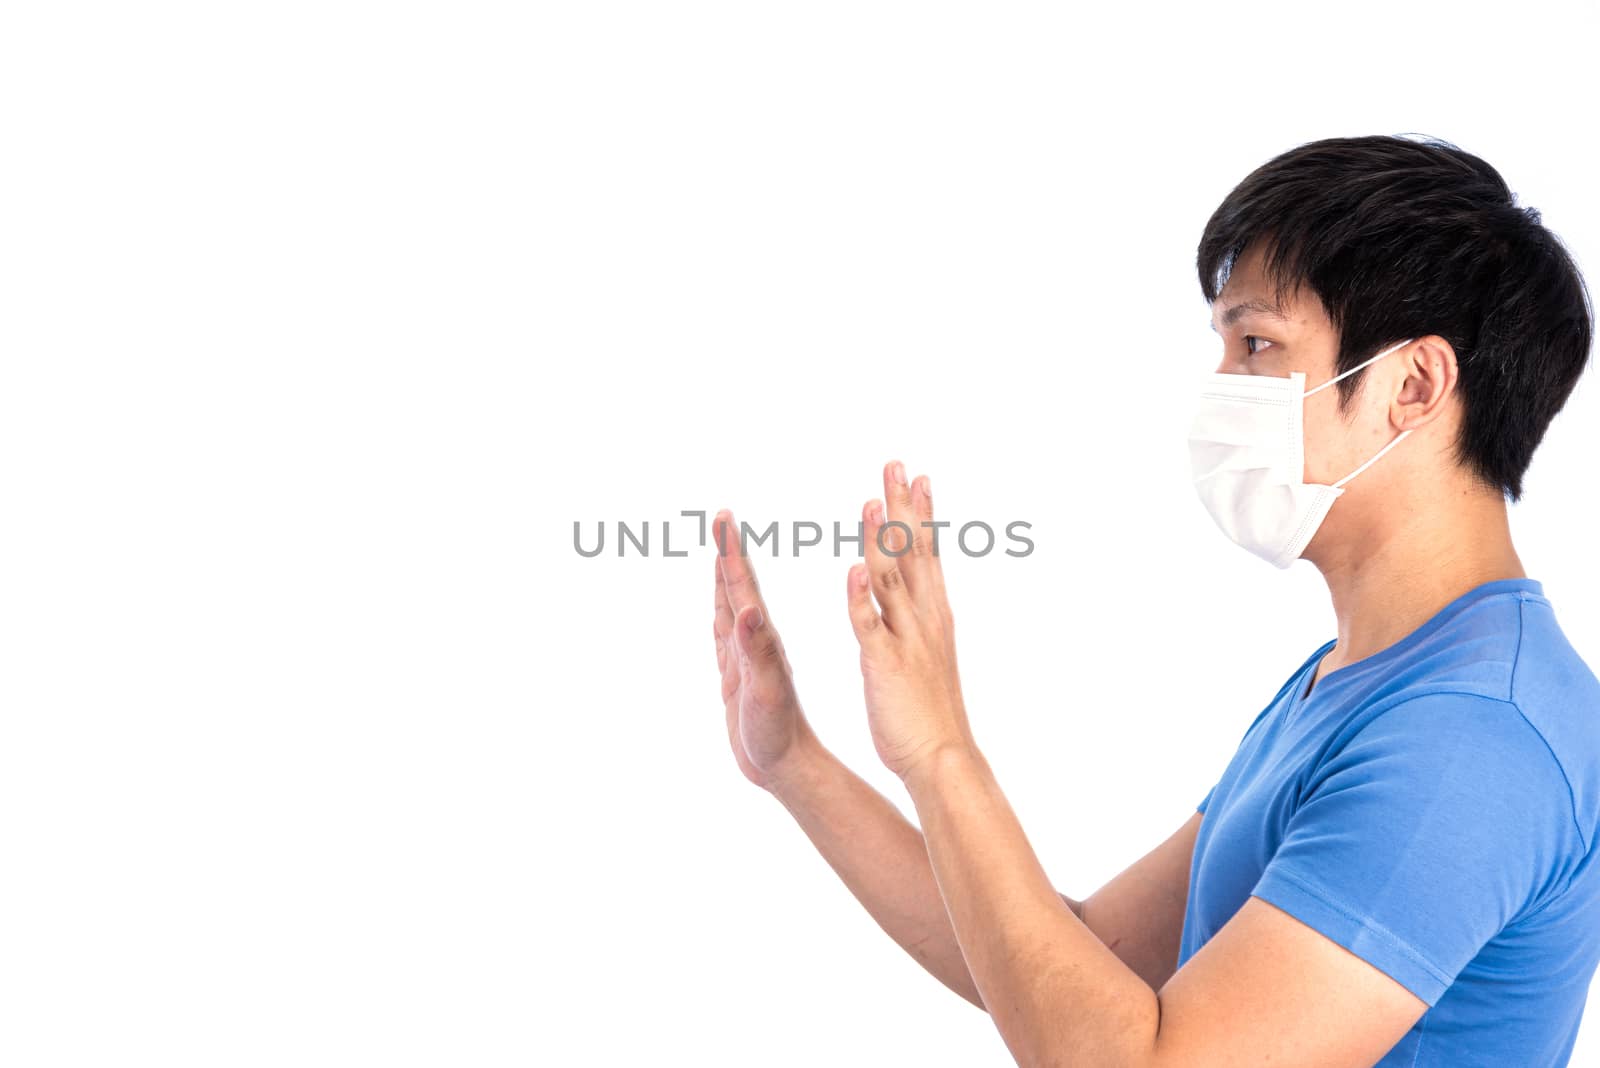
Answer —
(1510, 648)
(1556, 691)
(1546, 670)
(1508, 660)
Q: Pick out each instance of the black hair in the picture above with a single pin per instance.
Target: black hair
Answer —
(1402, 237)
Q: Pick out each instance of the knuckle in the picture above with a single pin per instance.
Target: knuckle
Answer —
(745, 580)
(891, 579)
(897, 538)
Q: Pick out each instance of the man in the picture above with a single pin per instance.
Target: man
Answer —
(1395, 868)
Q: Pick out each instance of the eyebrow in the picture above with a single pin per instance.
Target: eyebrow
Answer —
(1247, 307)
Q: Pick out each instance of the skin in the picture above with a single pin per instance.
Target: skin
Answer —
(1094, 982)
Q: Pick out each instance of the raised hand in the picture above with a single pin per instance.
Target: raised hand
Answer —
(766, 727)
(908, 654)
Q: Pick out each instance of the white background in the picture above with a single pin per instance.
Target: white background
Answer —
(322, 324)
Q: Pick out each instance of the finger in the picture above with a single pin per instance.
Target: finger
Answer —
(926, 544)
(922, 505)
(738, 576)
(728, 665)
(722, 631)
(900, 531)
(722, 624)
(864, 618)
(888, 583)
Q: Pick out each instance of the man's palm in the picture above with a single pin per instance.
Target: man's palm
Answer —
(763, 713)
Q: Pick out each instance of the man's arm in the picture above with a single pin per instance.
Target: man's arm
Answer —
(1266, 989)
(1139, 913)
(883, 859)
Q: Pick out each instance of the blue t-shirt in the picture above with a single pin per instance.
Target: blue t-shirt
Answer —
(1431, 809)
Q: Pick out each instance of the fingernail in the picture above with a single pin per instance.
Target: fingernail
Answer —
(900, 472)
(877, 511)
(927, 486)
(756, 619)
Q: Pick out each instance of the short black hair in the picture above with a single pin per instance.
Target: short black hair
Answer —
(1404, 236)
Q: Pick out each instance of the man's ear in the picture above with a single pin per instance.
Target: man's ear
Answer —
(1430, 381)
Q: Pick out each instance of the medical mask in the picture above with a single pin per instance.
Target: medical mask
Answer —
(1247, 455)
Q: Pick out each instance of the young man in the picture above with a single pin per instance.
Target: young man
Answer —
(1395, 868)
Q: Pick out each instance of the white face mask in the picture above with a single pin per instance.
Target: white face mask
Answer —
(1247, 455)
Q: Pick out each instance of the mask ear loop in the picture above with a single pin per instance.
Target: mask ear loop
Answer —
(1376, 456)
(1398, 438)
(1360, 365)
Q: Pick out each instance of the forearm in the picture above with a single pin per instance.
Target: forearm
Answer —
(1056, 993)
(880, 856)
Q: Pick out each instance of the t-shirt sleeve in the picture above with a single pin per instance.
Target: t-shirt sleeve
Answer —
(1206, 800)
(1418, 840)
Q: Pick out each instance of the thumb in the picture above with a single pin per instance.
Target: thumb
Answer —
(753, 637)
(761, 663)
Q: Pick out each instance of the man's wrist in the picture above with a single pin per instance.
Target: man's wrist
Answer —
(939, 760)
(801, 770)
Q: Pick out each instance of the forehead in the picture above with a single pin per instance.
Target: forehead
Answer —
(1250, 297)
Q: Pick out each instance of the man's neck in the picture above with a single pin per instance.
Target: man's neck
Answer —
(1401, 576)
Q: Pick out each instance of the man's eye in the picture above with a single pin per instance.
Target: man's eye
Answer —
(1251, 343)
